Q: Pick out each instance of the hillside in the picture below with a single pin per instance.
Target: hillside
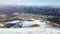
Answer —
(30, 31)
(40, 10)
(14, 12)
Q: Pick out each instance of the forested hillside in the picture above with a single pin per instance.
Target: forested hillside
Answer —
(41, 10)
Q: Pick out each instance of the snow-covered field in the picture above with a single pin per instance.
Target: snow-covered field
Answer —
(43, 29)
(30, 31)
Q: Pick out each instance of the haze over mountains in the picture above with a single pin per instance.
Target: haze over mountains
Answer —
(40, 10)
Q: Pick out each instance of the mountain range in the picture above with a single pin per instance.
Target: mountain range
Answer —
(40, 10)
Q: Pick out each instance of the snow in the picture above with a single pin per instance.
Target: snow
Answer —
(1, 24)
(14, 21)
(30, 31)
(43, 29)
(27, 24)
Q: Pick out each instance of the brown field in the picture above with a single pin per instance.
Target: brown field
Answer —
(52, 24)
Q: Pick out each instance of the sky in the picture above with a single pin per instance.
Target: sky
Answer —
(31, 2)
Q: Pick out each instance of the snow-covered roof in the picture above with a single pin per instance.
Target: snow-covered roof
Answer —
(13, 21)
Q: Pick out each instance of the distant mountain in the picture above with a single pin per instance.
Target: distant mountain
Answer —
(43, 10)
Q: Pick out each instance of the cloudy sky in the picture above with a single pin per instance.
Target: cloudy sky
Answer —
(31, 2)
